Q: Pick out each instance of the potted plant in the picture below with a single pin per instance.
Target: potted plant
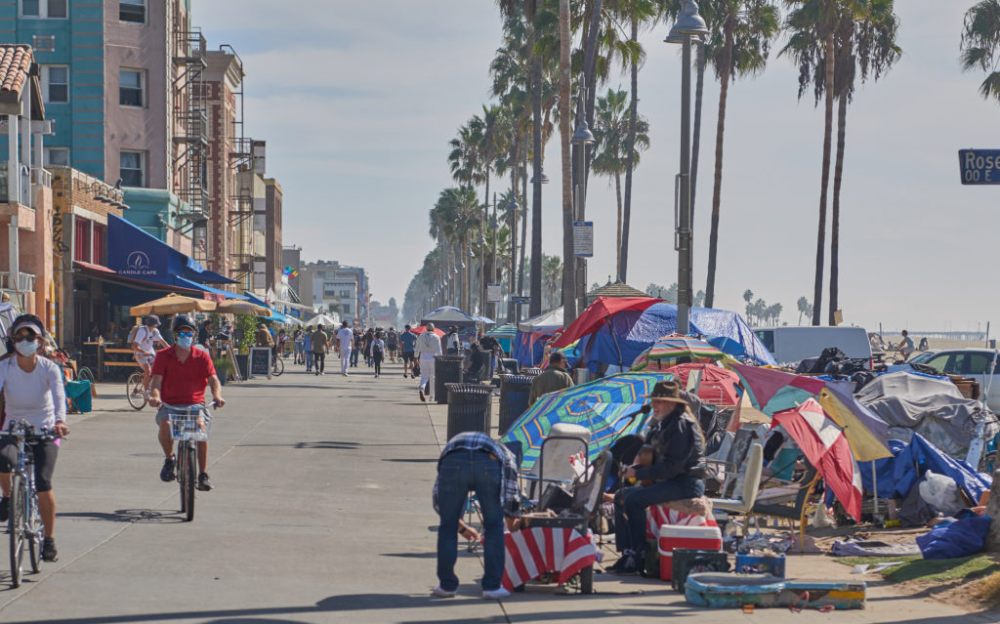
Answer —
(223, 366)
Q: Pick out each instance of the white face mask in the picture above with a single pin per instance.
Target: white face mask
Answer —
(26, 348)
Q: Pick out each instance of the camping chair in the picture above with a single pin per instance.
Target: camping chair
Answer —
(771, 501)
(727, 471)
(563, 441)
(747, 484)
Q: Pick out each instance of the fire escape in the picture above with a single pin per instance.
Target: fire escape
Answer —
(191, 136)
(243, 162)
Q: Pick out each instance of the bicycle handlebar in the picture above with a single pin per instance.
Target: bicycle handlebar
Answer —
(188, 408)
(22, 429)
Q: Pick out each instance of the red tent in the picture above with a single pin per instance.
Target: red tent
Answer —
(597, 314)
(422, 328)
(719, 386)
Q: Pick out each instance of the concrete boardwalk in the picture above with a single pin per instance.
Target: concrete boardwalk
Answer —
(321, 513)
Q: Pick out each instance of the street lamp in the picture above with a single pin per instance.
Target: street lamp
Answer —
(688, 26)
(545, 178)
(581, 139)
(513, 208)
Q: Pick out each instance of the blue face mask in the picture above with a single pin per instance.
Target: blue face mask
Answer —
(185, 342)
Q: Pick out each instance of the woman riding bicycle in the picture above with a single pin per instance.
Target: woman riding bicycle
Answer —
(33, 392)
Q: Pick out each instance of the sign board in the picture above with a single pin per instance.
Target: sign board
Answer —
(583, 239)
(493, 293)
(260, 362)
(520, 300)
(979, 166)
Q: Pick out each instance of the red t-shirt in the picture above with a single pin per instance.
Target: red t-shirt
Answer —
(183, 382)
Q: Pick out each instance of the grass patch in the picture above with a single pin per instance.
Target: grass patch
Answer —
(917, 568)
(989, 589)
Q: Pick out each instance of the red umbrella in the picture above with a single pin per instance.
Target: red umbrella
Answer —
(719, 386)
(597, 314)
(825, 445)
(421, 329)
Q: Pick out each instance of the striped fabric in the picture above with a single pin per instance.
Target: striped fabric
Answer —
(533, 552)
(658, 515)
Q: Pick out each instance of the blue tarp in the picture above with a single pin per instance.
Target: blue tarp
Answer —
(897, 475)
(958, 539)
(627, 334)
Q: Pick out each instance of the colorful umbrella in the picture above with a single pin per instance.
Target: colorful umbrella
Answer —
(772, 391)
(172, 304)
(825, 445)
(604, 406)
(718, 385)
(422, 328)
(676, 349)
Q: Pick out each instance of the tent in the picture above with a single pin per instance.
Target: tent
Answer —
(533, 334)
(504, 334)
(616, 331)
(450, 316)
(323, 319)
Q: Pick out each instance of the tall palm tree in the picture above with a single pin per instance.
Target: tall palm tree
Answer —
(611, 142)
(456, 216)
(739, 43)
(980, 45)
(816, 20)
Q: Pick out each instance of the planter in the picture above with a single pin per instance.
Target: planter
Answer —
(222, 375)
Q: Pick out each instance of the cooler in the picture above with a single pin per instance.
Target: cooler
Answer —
(673, 537)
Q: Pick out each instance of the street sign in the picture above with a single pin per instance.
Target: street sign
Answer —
(583, 239)
(520, 300)
(979, 166)
(493, 293)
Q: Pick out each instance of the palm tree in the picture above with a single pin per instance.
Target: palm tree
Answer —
(565, 133)
(980, 45)
(552, 272)
(455, 217)
(611, 134)
(739, 43)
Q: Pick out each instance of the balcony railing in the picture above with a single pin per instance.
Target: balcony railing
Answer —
(25, 282)
(25, 197)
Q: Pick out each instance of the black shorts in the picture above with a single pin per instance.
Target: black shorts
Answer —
(408, 356)
(45, 460)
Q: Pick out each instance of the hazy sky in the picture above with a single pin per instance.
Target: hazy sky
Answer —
(357, 101)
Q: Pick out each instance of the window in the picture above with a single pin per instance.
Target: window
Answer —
(132, 166)
(940, 362)
(52, 9)
(81, 240)
(979, 363)
(57, 157)
(55, 84)
(131, 88)
(99, 240)
(132, 11)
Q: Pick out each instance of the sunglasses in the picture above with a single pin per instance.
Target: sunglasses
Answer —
(25, 337)
(185, 334)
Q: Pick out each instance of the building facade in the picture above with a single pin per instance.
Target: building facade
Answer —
(328, 286)
(272, 235)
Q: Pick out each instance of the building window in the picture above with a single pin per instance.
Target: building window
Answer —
(132, 167)
(81, 240)
(132, 11)
(132, 87)
(52, 9)
(99, 239)
(55, 84)
(57, 157)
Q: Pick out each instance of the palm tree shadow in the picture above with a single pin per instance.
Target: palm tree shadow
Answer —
(136, 516)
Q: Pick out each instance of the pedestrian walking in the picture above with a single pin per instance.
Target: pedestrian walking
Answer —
(377, 353)
(345, 341)
(358, 346)
(297, 339)
(452, 340)
(367, 346)
(392, 344)
(408, 345)
(473, 462)
(428, 346)
(320, 347)
(307, 348)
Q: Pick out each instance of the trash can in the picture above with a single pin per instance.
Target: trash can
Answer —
(469, 408)
(509, 365)
(447, 370)
(533, 372)
(514, 393)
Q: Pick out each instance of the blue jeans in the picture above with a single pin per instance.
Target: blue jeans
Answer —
(309, 361)
(459, 473)
(631, 504)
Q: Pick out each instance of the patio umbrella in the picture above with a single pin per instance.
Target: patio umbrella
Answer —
(825, 445)
(676, 349)
(172, 304)
(772, 391)
(422, 328)
(235, 306)
(718, 386)
(605, 406)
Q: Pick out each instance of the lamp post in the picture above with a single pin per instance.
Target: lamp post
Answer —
(513, 312)
(494, 228)
(582, 138)
(689, 24)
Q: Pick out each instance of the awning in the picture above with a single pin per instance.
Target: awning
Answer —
(197, 273)
(104, 274)
(206, 288)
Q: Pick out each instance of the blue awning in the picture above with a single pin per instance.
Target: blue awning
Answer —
(197, 273)
(277, 317)
(252, 298)
(186, 283)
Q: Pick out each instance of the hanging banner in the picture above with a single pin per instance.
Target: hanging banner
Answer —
(493, 293)
(583, 239)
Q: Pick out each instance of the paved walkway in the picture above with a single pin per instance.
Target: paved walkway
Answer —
(321, 514)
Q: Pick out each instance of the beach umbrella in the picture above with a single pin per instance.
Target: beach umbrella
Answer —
(422, 328)
(823, 442)
(772, 391)
(718, 385)
(172, 304)
(235, 306)
(676, 349)
(604, 406)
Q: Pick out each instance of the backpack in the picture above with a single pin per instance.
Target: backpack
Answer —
(377, 349)
(132, 334)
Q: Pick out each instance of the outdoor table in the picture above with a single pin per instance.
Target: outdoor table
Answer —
(533, 552)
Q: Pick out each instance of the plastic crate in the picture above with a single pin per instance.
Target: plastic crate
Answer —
(751, 564)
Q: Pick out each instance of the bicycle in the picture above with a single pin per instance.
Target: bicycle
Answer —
(135, 390)
(277, 367)
(24, 523)
(187, 430)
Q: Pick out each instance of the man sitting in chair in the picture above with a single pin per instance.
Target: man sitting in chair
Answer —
(677, 472)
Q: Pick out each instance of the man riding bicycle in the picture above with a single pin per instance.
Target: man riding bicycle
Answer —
(180, 374)
(33, 392)
(144, 344)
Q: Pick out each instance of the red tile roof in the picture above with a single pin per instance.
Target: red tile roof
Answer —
(15, 62)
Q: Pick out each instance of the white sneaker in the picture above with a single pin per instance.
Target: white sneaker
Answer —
(438, 592)
(496, 594)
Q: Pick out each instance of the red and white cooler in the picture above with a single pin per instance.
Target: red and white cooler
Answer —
(673, 537)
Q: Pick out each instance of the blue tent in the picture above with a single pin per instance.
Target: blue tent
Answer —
(627, 334)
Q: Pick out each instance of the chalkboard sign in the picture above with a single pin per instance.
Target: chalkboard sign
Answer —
(260, 363)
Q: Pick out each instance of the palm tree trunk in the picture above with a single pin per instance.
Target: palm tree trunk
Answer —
(524, 232)
(838, 178)
(569, 265)
(629, 163)
(825, 182)
(512, 220)
(720, 133)
(535, 307)
(590, 76)
(618, 240)
(482, 235)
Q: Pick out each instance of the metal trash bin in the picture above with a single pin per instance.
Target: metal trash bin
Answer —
(508, 366)
(470, 408)
(447, 370)
(514, 393)
(581, 376)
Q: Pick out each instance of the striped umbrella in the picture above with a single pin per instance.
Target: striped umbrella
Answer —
(603, 406)
(677, 349)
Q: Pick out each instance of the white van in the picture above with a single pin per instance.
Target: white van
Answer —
(793, 344)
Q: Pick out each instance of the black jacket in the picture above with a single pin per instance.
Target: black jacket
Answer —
(678, 448)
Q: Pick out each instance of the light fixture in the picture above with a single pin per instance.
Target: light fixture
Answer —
(675, 38)
(545, 179)
(512, 206)
(583, 135)
(689, 22)
(481, 241)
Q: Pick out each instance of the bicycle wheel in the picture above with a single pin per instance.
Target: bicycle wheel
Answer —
(35, 534)
(15, 526)
(278, 367)
(135, 391)
(189, 476)
(85, 374)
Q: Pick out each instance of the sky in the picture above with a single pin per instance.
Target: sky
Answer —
(357, 101)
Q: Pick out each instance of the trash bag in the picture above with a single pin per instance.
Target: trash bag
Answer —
(941, 492)
(958, 539)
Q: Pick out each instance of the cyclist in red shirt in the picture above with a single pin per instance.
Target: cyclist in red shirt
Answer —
(180, 374)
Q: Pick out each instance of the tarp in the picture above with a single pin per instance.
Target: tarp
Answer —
(599, 312)
(532, 336)
(447, 316)
(621, 339)
(545, 323)
(911, 403)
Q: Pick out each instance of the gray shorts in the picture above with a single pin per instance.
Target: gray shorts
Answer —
(162, 415)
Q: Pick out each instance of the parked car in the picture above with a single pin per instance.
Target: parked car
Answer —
(793, 344)
(975, 364)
